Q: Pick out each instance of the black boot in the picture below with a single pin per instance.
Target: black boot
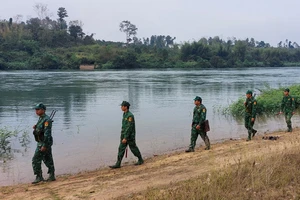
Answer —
(117, 165)
(140, 161)
(254, 132)
(189, 150)
(38, 178)
(51, 177)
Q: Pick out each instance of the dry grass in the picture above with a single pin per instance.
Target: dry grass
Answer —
(266, 177)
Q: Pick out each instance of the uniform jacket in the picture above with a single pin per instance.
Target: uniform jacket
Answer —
(199, 114)
(44, 125)
(288, 104)
(250, 107)
(128, 126)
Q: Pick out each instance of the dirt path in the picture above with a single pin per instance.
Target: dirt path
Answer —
(157, 171)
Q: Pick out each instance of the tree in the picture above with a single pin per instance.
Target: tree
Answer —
(62, 14)
(129, 29)
(75, 29)
(42, 10)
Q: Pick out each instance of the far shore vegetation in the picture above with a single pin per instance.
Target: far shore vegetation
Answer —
(43, 42)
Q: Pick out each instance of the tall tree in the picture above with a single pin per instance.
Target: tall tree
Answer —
(129, 29)
(62, 14)
(75, 29)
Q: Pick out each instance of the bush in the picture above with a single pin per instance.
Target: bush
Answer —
(268, 102)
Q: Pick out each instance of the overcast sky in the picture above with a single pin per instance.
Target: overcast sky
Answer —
(187, 20)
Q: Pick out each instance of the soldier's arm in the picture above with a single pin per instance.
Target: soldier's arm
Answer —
(128, 127)
(293, 104)
(202, 116)
(254, 108)
(282, 105)
(47, 133)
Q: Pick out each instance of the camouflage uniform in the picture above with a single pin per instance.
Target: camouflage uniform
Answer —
(128, 133)
(199, 116)
(44, 139)
(250, 112)
(288, 107)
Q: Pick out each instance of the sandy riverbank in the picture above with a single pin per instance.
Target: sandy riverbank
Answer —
(156, 172)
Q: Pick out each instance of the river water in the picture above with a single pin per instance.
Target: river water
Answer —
(87, 124)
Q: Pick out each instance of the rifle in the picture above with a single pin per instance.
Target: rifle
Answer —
(52, 114)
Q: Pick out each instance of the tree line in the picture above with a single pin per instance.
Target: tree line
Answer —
(46, 43)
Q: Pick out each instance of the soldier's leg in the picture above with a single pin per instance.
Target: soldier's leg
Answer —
(205, 139)
(248, 126)
(135, 150)
(288, 117)
(121, 152)
(194, 136)
(251, 131)
(48, 160)
(37, 165)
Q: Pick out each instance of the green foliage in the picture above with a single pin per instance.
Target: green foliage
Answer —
(268, 102)
(45, 43)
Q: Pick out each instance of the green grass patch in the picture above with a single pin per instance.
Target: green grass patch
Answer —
(268, 102)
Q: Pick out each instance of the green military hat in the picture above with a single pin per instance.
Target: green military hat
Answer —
(125, 103)
(39, 106)
(249, 92)
(286, 90)
(197, 98)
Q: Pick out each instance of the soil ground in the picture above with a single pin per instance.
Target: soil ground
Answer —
(155, 172)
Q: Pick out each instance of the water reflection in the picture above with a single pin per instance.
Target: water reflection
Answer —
(86, 127)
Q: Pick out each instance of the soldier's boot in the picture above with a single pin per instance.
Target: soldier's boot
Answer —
(140, 161)
(51, 177)
(207, 144)
(116, 166)
(190, 150)
(249, 138)
(254, 132)
(289, 129)
(38, 178)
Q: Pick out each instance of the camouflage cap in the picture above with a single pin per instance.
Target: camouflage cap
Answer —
(197, 98)
(125, 103)
(286, 90)
(249, 92)
(39, 106)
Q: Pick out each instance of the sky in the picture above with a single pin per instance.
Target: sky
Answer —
(271, 21)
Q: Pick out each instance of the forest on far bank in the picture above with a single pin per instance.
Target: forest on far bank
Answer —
(46, 43)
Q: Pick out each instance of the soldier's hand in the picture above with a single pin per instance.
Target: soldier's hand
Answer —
(280, 113)
(43, 149)
(245, 103)
(124, 141)
(197, 127)
(252, 119)
(34, 126)
(293, 113)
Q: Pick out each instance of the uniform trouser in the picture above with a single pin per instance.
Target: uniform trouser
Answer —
(249, 125)
(134, 149)
(194, 136)
(46, 157)
(288, 117)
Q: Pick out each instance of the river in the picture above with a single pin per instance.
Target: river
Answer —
(86, 127)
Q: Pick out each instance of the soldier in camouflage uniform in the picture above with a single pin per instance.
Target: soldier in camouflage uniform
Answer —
(199, 116)
(250, 114)
(43, 152)
(288, 107)
(127, 137)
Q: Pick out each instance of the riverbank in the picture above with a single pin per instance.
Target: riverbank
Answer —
(162, 174)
